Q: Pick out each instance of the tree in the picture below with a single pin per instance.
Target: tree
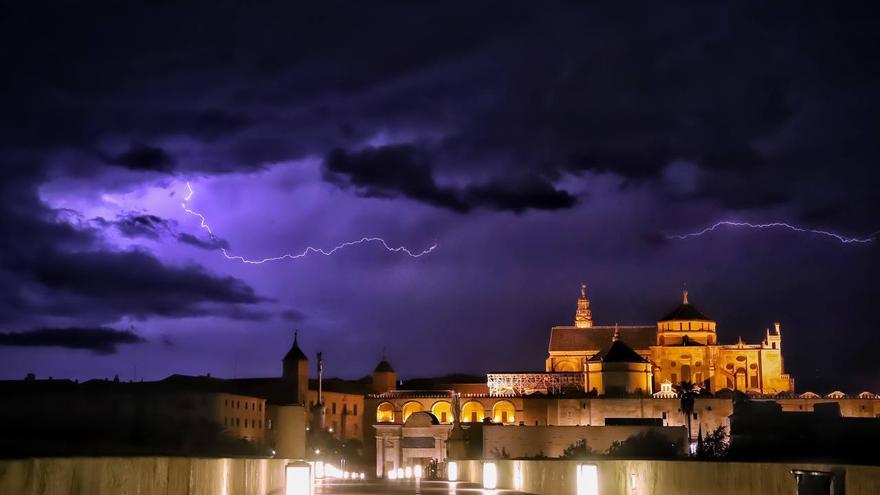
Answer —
(714, 444)
(649, 443)
(578, 450)
(687, 393)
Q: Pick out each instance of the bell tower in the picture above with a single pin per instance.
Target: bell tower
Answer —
(583, 317)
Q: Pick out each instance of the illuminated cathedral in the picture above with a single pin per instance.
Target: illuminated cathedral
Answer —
(649, 359)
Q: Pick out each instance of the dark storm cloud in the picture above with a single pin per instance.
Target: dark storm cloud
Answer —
(140, 225)
(99, 340)
(404, 170)
(144, 158)
(52, 268)
(209, 244)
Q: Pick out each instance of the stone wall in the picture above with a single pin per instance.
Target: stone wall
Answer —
(636, 477)
(551, 441)
(142, 476)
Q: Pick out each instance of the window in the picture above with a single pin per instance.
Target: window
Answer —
(674, 378)
(225, 421)
(226, 403)
(754, 382)
(237, 422)
(774, 345)
(695, 415)
(238, 404)
(385, 413)
(355, 409)
(409, 408)
(261, 423)
(334, 408)
(664, 415)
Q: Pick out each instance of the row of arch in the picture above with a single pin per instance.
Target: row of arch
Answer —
(471, 412)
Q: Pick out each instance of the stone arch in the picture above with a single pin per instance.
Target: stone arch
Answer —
(385, 413)
(442, 410)
(566, 365)
(503, 412)
(409, 408)
(686, 375)
(472, 412)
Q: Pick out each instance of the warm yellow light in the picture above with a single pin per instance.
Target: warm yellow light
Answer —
(587, 479)
(517, 475)
(392, 475)
(490, 476)
(319, 469)
(407, 472)
(452, 471)
(298, 479)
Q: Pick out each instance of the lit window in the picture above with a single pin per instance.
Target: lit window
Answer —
(385, 413)
(409, 408)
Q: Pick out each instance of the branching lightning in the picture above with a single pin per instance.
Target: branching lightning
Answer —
(203, 223)
(780, 225)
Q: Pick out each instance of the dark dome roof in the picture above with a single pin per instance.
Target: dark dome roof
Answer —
(686, 311)
(619, 352)
(384, 366)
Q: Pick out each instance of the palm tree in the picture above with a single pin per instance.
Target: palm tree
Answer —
(687, 392)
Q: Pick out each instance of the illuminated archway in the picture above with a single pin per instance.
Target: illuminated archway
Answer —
(566, 366)
(503, 412)
(385, 413)
(442, 410)
(409, 408)
(472, 412)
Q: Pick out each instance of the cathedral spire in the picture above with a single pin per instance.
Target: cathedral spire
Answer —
(583, 317)
(685, 298)
(616, 336)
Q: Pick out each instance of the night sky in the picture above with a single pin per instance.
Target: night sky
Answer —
(537, 147)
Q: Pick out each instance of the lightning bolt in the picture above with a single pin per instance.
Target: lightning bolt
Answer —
(780, 225)
(203, 223)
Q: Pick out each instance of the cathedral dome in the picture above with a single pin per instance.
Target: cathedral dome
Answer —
(686, 312)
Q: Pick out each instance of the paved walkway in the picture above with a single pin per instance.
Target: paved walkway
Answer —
(328, 487)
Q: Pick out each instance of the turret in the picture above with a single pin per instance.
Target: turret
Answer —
(583, 317)
(295, 370)
(384, 377)
(774, 339)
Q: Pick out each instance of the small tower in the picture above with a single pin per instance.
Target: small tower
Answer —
(295, 370)
(774, 340)
(583, 317)
(384, 377)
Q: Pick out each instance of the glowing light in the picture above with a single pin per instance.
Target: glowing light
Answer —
(587, 479)
(400, 473)
(417, 471)
(779, 225)
(517, 475)
(490, 476)
(319, 469)
(452, 471)
(392, 475)
(298, 479)
(363, 476)
(407, 472)
(203, 224)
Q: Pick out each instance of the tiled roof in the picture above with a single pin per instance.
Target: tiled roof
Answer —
(686, 311)
(622, 353)
(599, 338)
